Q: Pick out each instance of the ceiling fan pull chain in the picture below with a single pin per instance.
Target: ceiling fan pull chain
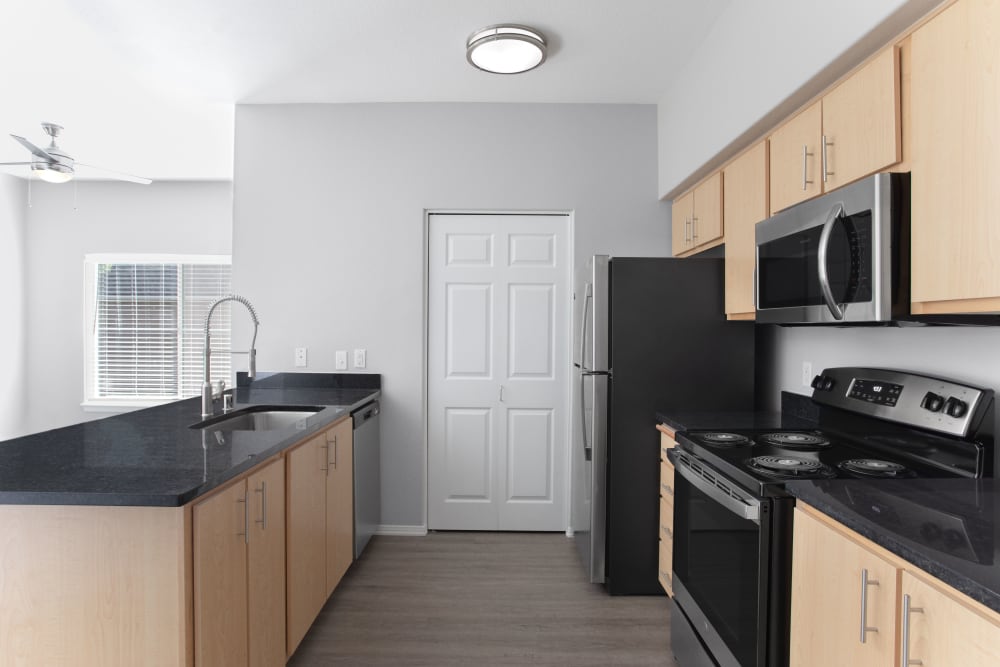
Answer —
(75, 190)
(31, 177)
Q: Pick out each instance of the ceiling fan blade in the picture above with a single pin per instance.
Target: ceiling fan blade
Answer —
(35, 150)
(118, 175)
(10, 164)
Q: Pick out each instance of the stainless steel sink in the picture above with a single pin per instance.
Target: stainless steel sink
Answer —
(260, 418)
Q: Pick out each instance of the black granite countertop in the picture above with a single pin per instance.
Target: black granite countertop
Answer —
(152, 457)
(796, 412)
(949, 528)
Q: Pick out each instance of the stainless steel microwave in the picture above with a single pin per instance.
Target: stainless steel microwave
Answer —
(840, 258)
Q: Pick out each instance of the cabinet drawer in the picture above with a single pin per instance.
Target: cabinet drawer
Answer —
(666, 520)
(667, 481)
(666, 565)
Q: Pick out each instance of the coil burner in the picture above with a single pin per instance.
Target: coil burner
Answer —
(875, 468)
(724, 439)
(795, 440)
(790, 467)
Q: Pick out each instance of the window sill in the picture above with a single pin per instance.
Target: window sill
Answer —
(120, 406)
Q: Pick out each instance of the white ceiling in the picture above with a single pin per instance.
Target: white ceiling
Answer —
(148, 86)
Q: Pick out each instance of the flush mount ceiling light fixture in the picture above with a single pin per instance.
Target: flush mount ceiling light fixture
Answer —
(506, 48)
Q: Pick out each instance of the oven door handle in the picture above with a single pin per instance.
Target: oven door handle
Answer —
(719, 490)
(824, 243)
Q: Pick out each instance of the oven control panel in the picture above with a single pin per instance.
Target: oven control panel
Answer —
(928, 402)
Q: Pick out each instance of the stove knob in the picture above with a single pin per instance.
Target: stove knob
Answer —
(828, 383)
(817, 382)
(956, 408)
(932, 402)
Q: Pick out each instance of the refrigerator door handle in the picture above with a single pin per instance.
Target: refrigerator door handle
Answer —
(588, 296)
(587, 449)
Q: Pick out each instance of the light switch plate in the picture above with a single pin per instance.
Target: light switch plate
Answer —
(341, 360)
(807, 374)
(360, 358)
(301, 357)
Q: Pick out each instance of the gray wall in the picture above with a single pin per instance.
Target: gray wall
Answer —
(328, 238)
(165, 217)
(13, 213)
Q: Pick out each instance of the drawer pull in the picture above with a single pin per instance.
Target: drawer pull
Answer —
(865, 583)
(669, 533)
(669, 490)
(905, 660)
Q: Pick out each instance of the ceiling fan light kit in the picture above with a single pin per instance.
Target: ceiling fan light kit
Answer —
(55, 166)
(506, 48)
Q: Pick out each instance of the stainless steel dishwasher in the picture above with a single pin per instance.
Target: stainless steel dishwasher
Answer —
(367, 475)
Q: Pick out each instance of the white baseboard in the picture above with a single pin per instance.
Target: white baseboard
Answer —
(406, 531)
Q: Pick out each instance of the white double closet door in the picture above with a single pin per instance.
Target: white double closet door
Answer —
(498, 309)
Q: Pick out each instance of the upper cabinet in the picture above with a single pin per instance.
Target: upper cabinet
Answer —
(852, 131)
(955, 94)
(744, 205)
(697, 217)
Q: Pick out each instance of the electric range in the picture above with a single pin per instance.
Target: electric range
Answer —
(733, 517)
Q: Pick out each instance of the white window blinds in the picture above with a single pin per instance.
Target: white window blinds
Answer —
(148, 328)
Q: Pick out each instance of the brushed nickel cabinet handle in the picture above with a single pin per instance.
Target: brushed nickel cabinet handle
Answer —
(669, 490)
(826, 171)
(904, 660)
(694, 229)
(805, 155)
(865, 583)
(326, 457)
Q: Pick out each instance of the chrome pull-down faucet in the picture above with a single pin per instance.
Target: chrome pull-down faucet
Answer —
(207, 409)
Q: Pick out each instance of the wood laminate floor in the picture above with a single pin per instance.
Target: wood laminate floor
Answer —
(482, 599)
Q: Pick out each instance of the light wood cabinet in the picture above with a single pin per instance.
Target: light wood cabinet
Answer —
(666, 536)
(339, 502)
(851, 132)
(239, 572)
(944, 631)
(744, 204)
(906, 610)
(697, 221)
(836, 586)
(320, 524)
(955, 97)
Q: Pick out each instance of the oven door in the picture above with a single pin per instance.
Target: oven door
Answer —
(830, 259)
(721, 558)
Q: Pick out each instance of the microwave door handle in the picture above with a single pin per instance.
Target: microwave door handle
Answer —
(824, 279)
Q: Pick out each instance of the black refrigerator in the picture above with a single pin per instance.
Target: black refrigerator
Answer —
(650, 335)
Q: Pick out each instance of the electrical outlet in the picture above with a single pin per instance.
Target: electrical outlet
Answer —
(341, 360)
(807, 374)
(360, 358)
(301, 357)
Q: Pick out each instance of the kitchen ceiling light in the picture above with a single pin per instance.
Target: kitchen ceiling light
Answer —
(506, 49)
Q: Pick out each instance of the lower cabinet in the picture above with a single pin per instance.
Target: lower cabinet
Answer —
(320, 524)
(238, 548)
(666, 566)
(854, 603)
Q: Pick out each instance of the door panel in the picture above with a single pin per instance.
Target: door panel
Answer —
(498, 360)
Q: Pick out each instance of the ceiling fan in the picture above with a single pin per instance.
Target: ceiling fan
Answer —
(52, 164)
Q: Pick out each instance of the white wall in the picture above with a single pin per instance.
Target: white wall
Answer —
(760, 62)
(12, 278)
(165, 217)
(328, 238)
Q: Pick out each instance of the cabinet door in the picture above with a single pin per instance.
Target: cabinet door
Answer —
(829, 606)
(266, 566)
(220, 578)
(795, 157)
(861, 122)
(339, 503)
(706, 223)
(955, 137)
(744, 205)
(306, 537)
(944, 631)
(680, 215)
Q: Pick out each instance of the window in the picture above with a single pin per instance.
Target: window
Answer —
(145, 320)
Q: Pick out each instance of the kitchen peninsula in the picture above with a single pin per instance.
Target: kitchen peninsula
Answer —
(100, 529)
